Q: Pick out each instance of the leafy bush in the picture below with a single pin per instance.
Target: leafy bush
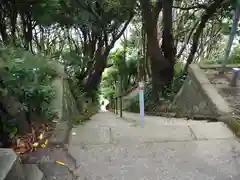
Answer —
(171, 90)
(28, 78)
(235, 56)
(87, 112)
(168, 94)
(134, 105)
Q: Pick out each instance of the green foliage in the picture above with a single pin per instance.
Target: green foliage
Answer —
(77, 70)
(28, 78)
(172, 90)
(46, 11)
(108, 92)
(134, 105)
(88, 111)
(177, 82)
(124, 68)
(168, 94)
(7, 128)
(235, 56)
(234, 124)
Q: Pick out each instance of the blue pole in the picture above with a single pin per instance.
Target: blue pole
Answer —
(232, 35)
(141, 105)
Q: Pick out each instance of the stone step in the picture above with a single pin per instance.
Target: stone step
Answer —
(32, 172)
(104, 128)
(10, 167)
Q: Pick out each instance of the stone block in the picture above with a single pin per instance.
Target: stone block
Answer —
(10, 167)
(65, 107)
(198, 97)
(32, 172)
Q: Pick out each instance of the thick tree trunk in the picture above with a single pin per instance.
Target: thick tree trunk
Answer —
(100, 56)
(160, 66)
(167, 39)
(93, 80)
(13, 20)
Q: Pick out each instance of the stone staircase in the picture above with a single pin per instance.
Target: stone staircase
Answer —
(12, 169)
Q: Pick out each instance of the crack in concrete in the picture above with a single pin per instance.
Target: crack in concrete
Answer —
(193, 135)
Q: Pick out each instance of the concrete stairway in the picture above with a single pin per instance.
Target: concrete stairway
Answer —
(12, 169)
(108, 147)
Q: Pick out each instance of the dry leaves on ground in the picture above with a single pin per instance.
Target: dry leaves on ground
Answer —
(37, 138)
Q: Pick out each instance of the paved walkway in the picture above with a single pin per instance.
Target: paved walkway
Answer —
(110, 148)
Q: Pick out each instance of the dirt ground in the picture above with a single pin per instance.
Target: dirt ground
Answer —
(222, 83)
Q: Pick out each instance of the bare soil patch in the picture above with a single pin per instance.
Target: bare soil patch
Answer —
(222, 84)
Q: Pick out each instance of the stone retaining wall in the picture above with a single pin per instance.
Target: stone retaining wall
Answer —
(64, 106)
(198, 97)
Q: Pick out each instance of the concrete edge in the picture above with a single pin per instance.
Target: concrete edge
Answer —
(61, 132)
(222, 107)
(58, 67)
(32, 171)
(216, 66)
(11, 159)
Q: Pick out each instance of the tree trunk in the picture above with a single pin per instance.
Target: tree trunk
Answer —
(167, 40)
(94, 78)
(13, 20)
(3, 29)
(159, 65)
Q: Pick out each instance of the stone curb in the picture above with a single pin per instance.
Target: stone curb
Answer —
(62, 130)
(217, 66)
(221, 107)
(60, 136)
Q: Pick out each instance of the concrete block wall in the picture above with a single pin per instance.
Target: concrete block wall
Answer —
(64, 105)
(12, 169)
(199, 97)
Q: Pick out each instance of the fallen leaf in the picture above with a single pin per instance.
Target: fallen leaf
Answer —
(18, 142)
(35, 144)
(43, 145)
(61, 163)
(41, 136)
(46, 142)
(21, 150)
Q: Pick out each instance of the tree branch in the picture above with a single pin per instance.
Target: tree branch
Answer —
(156, 10)
(210, 11)
(115, 38)
(199, 6)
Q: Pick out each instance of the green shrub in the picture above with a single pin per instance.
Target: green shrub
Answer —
(88, 111)
(171, 90)
(234, 58)
(168, 94)
(234, 124)
(134, 105)
(28, 78)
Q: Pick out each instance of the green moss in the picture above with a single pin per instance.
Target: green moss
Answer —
(79, 119)
(234, 124)
(88, 111)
